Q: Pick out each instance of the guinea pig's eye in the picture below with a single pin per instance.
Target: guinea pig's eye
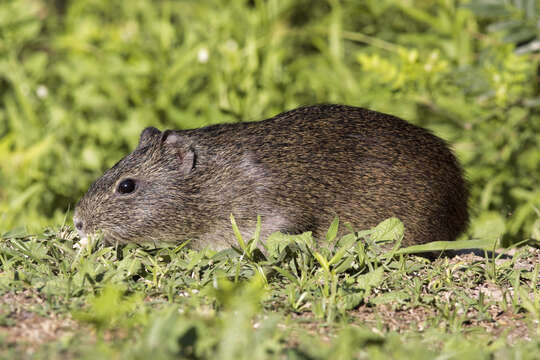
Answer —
(126, 186)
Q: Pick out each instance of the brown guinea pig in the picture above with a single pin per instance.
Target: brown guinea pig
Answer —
(297, 170)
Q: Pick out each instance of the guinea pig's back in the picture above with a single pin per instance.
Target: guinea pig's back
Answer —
(323, 161)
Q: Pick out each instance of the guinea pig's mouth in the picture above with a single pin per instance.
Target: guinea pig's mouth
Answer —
(88, 238)
(91, 237)
(88, 233)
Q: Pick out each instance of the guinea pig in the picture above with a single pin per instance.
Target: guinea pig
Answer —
(297, 170)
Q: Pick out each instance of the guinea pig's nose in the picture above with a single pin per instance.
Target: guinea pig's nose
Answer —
(78, 224)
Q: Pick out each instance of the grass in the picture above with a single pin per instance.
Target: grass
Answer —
(359, 296)
(80, 79)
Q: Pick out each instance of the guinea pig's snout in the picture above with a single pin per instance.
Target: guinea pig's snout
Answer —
(79, 225)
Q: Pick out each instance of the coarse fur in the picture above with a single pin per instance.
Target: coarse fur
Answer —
(297, 170)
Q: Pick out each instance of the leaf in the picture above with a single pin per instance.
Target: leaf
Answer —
(485, 244)
(371, 279)
(388, 230)
(322, 261)
(351, 301)
(332, 230)
(488, 8)
(195, 260)
(394, 296)
(532, 306)
(275, 243)
(286, 274)
(256, 236)
(340, 253)
(237, 234)
(345, 265)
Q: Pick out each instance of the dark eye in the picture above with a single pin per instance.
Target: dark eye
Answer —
(126, 186)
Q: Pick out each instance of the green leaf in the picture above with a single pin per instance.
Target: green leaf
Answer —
(371, 279)
(332, 230)
(484, 244)
(390, 297)
(351, 301)
(276, 242)
(532, 306)
(388, 230)
(345, 265)
(321, 259)
(256, 236)
(286, 274)
(237, 234)
(340, 253)
(195, 260)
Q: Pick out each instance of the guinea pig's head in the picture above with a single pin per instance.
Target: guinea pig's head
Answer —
(132, 202)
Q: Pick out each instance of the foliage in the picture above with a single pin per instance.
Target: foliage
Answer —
(299, 300)
(80, 79)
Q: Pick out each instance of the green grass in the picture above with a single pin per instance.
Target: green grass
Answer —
(349, 297)
(80, 79)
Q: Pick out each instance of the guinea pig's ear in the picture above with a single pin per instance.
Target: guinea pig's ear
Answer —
(146, 135)
(186, 155)
(172, 138)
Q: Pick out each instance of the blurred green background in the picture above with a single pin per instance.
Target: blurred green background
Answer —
(79, 80)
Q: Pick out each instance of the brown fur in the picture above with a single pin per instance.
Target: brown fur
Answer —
(297, 170)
